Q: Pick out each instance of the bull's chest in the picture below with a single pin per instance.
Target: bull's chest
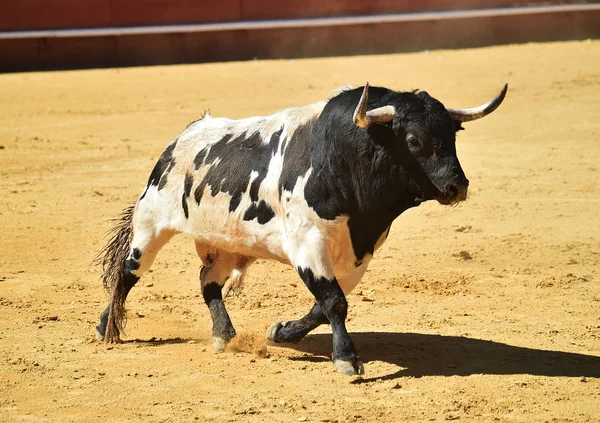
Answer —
(342, 251)
(306, 229)
(339, 244)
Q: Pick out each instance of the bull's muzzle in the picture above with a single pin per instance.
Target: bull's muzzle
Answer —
(454, 193)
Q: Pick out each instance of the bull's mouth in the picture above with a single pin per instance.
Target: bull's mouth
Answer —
(453, 195)
(447, 201)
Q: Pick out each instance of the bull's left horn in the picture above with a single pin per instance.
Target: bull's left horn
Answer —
(466, 115)
(364, 119)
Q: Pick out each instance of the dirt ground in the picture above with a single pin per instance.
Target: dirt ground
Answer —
(486, 311)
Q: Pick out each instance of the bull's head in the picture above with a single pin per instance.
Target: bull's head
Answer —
(429, 131)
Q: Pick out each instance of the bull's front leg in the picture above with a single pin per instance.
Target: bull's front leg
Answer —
(296, 330)
(332, 301)
(313, 263)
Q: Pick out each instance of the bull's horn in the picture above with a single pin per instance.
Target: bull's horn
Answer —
(363, 119)
(466, 115)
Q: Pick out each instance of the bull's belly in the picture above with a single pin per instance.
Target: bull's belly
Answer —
(231, 233)
(237, 236)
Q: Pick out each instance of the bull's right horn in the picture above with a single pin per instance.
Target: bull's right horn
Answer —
(364, 119)
(466, 115)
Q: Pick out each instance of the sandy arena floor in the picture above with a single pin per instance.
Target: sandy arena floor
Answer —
(487, 311)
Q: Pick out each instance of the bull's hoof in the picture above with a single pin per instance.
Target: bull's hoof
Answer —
(219, 344)
(272, 331)
(351, 367)
(99, 335)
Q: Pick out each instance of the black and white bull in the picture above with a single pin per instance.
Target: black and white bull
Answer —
(316, 187)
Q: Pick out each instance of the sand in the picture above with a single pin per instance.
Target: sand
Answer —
(489, 311)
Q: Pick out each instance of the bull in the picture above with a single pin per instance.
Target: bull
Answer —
(316, 187)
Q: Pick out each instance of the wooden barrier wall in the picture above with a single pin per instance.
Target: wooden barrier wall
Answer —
(18, 15)
(131, 50)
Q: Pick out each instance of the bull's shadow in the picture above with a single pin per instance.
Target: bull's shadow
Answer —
(437, 355)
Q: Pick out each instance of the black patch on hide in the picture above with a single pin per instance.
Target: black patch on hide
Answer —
(261, 211)
(187, 189)
(163, 166)
(238, 158)
(199, 160)
(297, 158)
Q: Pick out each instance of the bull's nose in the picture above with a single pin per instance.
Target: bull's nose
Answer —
(457, 192)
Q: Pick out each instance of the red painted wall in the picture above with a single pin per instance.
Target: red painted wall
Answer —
(54, 14)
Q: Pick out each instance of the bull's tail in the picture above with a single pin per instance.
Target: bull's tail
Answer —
(112, 259)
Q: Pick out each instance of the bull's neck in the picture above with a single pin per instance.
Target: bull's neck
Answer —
(369, 193)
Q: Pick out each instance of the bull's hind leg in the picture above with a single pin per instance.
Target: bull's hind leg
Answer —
(219, 267)
(127, 256)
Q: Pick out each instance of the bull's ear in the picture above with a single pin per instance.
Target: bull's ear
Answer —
(457, 125)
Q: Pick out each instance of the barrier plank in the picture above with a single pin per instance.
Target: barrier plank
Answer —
(277, 9)
(167, 12)
(19, 15)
